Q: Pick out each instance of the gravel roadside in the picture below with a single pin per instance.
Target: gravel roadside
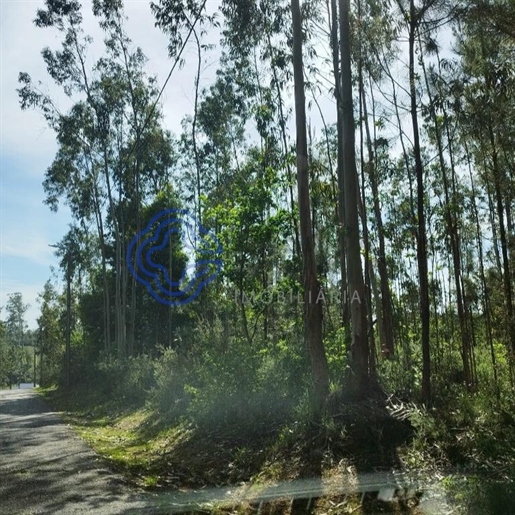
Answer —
(45, 468)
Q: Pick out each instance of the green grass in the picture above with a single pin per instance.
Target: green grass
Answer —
(113, 430)
(157, 456)
(154, 454)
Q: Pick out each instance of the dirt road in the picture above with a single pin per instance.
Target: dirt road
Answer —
(46, 468)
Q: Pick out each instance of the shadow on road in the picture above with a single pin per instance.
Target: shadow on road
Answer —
(46, 468)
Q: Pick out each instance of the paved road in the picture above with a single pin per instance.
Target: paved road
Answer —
(45, 468)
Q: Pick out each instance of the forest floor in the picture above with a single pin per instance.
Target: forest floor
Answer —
(350, 447)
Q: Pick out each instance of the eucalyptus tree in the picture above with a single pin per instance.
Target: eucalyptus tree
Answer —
(375, 30)
(15, 324)
(332, 17)
(257, 49)
(111, 142)
(257, 53)
(415, 18)
(49, 336)
(487, 101)
(311, 285)
(73, 250)
(15, 334)
(215, 165)
(439, 130)
(228, 170)
(157, 323)
(221, 119)
(367, 34)
(179, 21)
(356, 286)
(145, 156)
(249, 91)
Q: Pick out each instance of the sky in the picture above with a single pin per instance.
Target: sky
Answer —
(28, 146)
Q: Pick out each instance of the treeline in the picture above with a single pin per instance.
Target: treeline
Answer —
(17, 344)
(400, 209)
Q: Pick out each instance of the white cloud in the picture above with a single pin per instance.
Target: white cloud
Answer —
(27, 145)
(21, 44)
(36, 251)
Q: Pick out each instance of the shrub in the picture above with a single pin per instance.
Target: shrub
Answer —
(128, 380)
(169, 396)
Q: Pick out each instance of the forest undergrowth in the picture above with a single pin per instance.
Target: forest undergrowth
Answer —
(169, 434)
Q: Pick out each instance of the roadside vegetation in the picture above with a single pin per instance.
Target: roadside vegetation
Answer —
(135, 423)
(348, 173)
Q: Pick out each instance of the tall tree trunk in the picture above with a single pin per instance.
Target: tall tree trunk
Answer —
(68, 316)
(106, 296)
(451, 224)
(198, 168)
(486, 296)
(510, 322)
(131, 337)
(136, 178)
(344, 291)
(436, 304)
(118, 277)
(421, 220)
(96, 196)
(386, 312)
(369, 268)
(312, 309)
(359, 342)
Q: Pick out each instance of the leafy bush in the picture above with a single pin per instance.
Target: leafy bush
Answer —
(128, 380)
(170, 395)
